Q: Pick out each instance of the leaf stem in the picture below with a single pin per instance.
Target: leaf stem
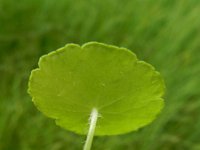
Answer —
(93, 121)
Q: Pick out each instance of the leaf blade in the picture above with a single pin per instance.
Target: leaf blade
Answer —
(73, 80)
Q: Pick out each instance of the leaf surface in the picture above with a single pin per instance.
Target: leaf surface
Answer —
(73, 80)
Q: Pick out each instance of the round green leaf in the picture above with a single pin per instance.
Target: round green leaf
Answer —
(73, 80)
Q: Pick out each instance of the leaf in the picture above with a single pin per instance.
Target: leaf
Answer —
(73, 80)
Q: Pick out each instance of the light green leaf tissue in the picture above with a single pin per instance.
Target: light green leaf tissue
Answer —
(73, 80)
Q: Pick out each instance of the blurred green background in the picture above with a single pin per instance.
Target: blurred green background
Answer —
(165, 33)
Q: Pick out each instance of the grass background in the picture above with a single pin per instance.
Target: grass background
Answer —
(165, 33)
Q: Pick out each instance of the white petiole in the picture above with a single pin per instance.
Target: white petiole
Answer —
(93, 121)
